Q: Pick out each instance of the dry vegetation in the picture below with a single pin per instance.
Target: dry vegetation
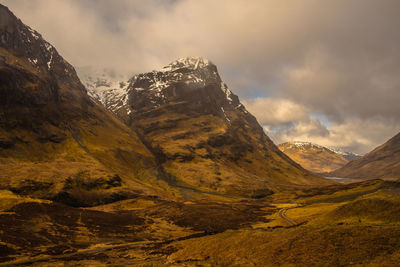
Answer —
(181, 187)
(204, 152)
(355, 224)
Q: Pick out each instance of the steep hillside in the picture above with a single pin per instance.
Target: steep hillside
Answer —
(313, 157)
(382, 162)
(55, 142)
(203, 137)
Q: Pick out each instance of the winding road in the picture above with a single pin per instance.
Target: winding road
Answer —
(283, 216)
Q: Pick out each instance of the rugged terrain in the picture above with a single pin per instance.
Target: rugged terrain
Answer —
(201, 134)
(313, 157)
(339, 225)
(188, 135)
(382, 162)
(175, 172)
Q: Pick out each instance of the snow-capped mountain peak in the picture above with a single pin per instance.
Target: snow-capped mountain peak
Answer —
(302, 145)
(346, 154)
(307, 145)
(187, 62)
(181, 77)
(105, 87)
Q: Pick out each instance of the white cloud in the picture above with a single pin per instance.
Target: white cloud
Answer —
(272, 111)
(284, 120)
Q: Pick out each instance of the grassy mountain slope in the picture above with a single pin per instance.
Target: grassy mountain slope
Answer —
(203, 136)
(312, 157)
(52, 133)
(382, 162)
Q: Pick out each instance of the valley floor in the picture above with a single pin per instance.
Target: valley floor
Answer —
(354, 224)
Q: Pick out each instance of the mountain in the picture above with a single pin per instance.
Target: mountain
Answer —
(382, 162)
(163, 177)
(184, 133)
(55, 142)
(104, 86)
(203, 137)
(313, 157)
(346, 154)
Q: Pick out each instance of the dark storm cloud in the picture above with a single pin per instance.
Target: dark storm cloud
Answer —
(337, 58)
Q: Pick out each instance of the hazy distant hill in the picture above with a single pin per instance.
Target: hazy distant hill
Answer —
(382, 162)
(313, 157)
(346, 154)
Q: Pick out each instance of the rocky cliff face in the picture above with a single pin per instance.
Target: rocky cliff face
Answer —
(34, 77)
(203, 137)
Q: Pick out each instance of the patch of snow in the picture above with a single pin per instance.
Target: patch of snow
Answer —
(303, 145)
(112, 94)
(124, 99)
(226, 91)
(33, 33)
(187, 62)
(242, 108)
(158, 85)
(226, 117)
(48, 46)
(340, 151)
(50, 61)
(197, 64)
(33, 61)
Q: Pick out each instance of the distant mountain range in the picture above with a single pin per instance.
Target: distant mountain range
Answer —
(314, 157)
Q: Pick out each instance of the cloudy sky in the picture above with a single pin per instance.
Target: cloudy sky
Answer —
(309, 70)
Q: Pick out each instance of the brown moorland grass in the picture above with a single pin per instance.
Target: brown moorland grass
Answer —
(301, 246)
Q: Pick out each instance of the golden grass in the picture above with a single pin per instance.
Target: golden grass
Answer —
(9, 200)
(129, 204)
(302, 246)
(343, 194)
(310, 212)
(195, 163)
